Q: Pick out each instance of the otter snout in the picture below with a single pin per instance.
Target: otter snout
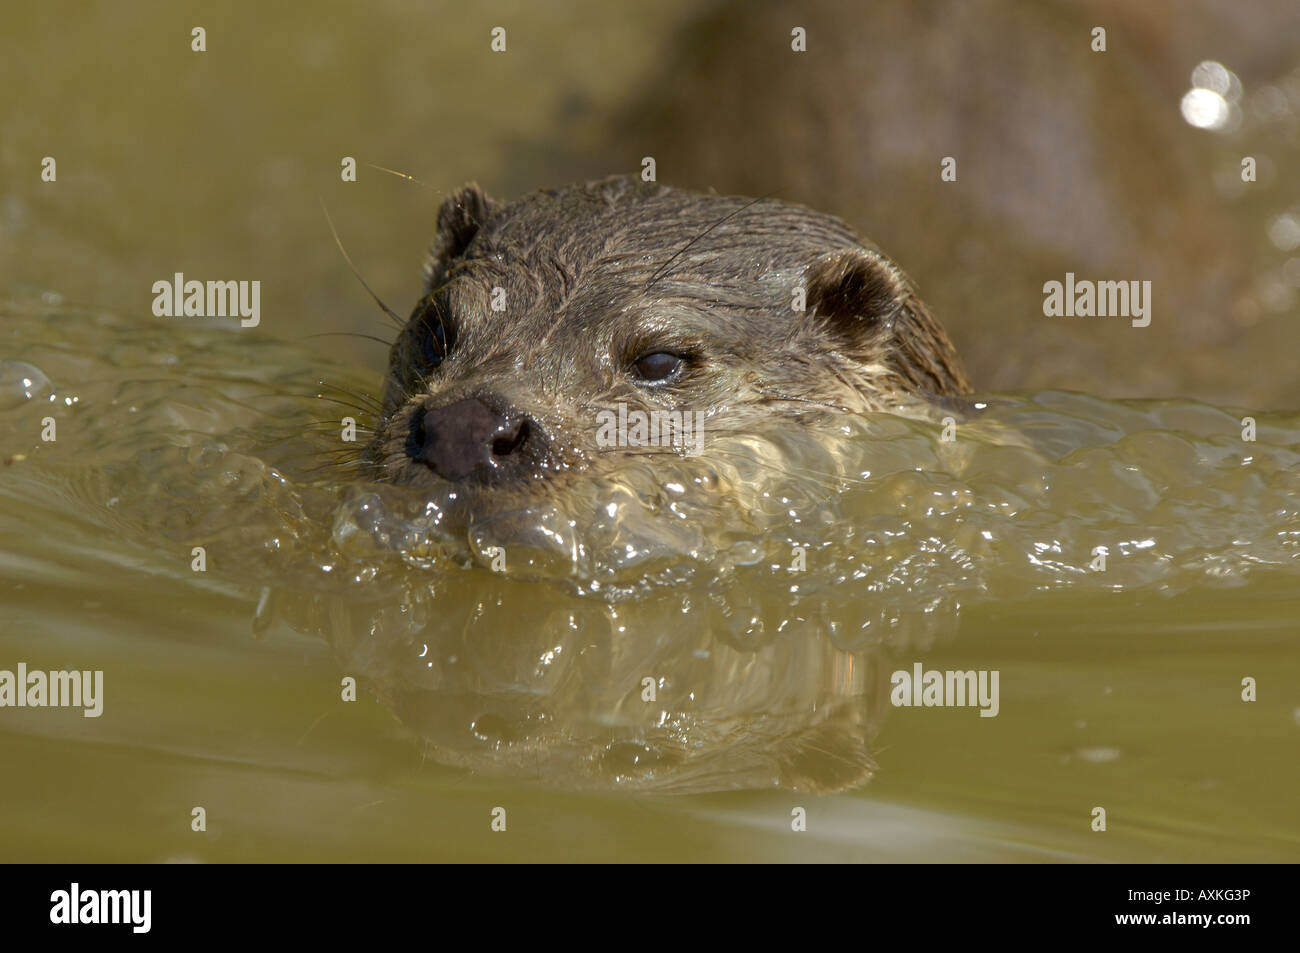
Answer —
(468, 440)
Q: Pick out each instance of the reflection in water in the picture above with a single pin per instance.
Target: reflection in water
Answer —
(714, 622)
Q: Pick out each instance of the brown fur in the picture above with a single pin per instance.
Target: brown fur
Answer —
(596, 275)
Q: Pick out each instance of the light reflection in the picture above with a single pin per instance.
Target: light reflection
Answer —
(1211, 103)
(1204, 109)
(1284, 232)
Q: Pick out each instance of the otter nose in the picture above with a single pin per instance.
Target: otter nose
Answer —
(468, 438)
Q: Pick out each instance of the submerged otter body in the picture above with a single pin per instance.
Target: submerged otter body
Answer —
(621, 296)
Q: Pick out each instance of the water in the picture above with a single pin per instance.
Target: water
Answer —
(1119, 688)
(522, 689)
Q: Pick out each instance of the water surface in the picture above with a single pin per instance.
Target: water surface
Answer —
(1120, 687)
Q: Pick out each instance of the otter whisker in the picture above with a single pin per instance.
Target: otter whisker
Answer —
(345, 450)
(326, 425)
(820, 404)
(369, 399)
(333, 466)
(331, 429)
(363, 402)
(335, 460)
(342, 457)
(334, 450)
(773, 394)
(347, 258)
(403, 175)
(350, 334)
(344, 403)
(662, 271)
(361, 425)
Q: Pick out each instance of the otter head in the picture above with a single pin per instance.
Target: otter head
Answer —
(544, 318)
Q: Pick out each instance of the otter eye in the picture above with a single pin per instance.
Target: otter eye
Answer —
(436, 340)
(658, 365)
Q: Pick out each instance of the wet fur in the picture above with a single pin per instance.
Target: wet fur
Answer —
(597, 274)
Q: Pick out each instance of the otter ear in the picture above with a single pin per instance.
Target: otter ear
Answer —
(459, 219)
(855, 292)
(861, 297)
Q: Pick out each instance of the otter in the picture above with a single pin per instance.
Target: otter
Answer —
(619, 300)
(539, 313)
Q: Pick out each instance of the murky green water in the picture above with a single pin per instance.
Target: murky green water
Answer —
(1119, 688)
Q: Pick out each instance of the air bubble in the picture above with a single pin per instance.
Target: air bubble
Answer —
(21, 382)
